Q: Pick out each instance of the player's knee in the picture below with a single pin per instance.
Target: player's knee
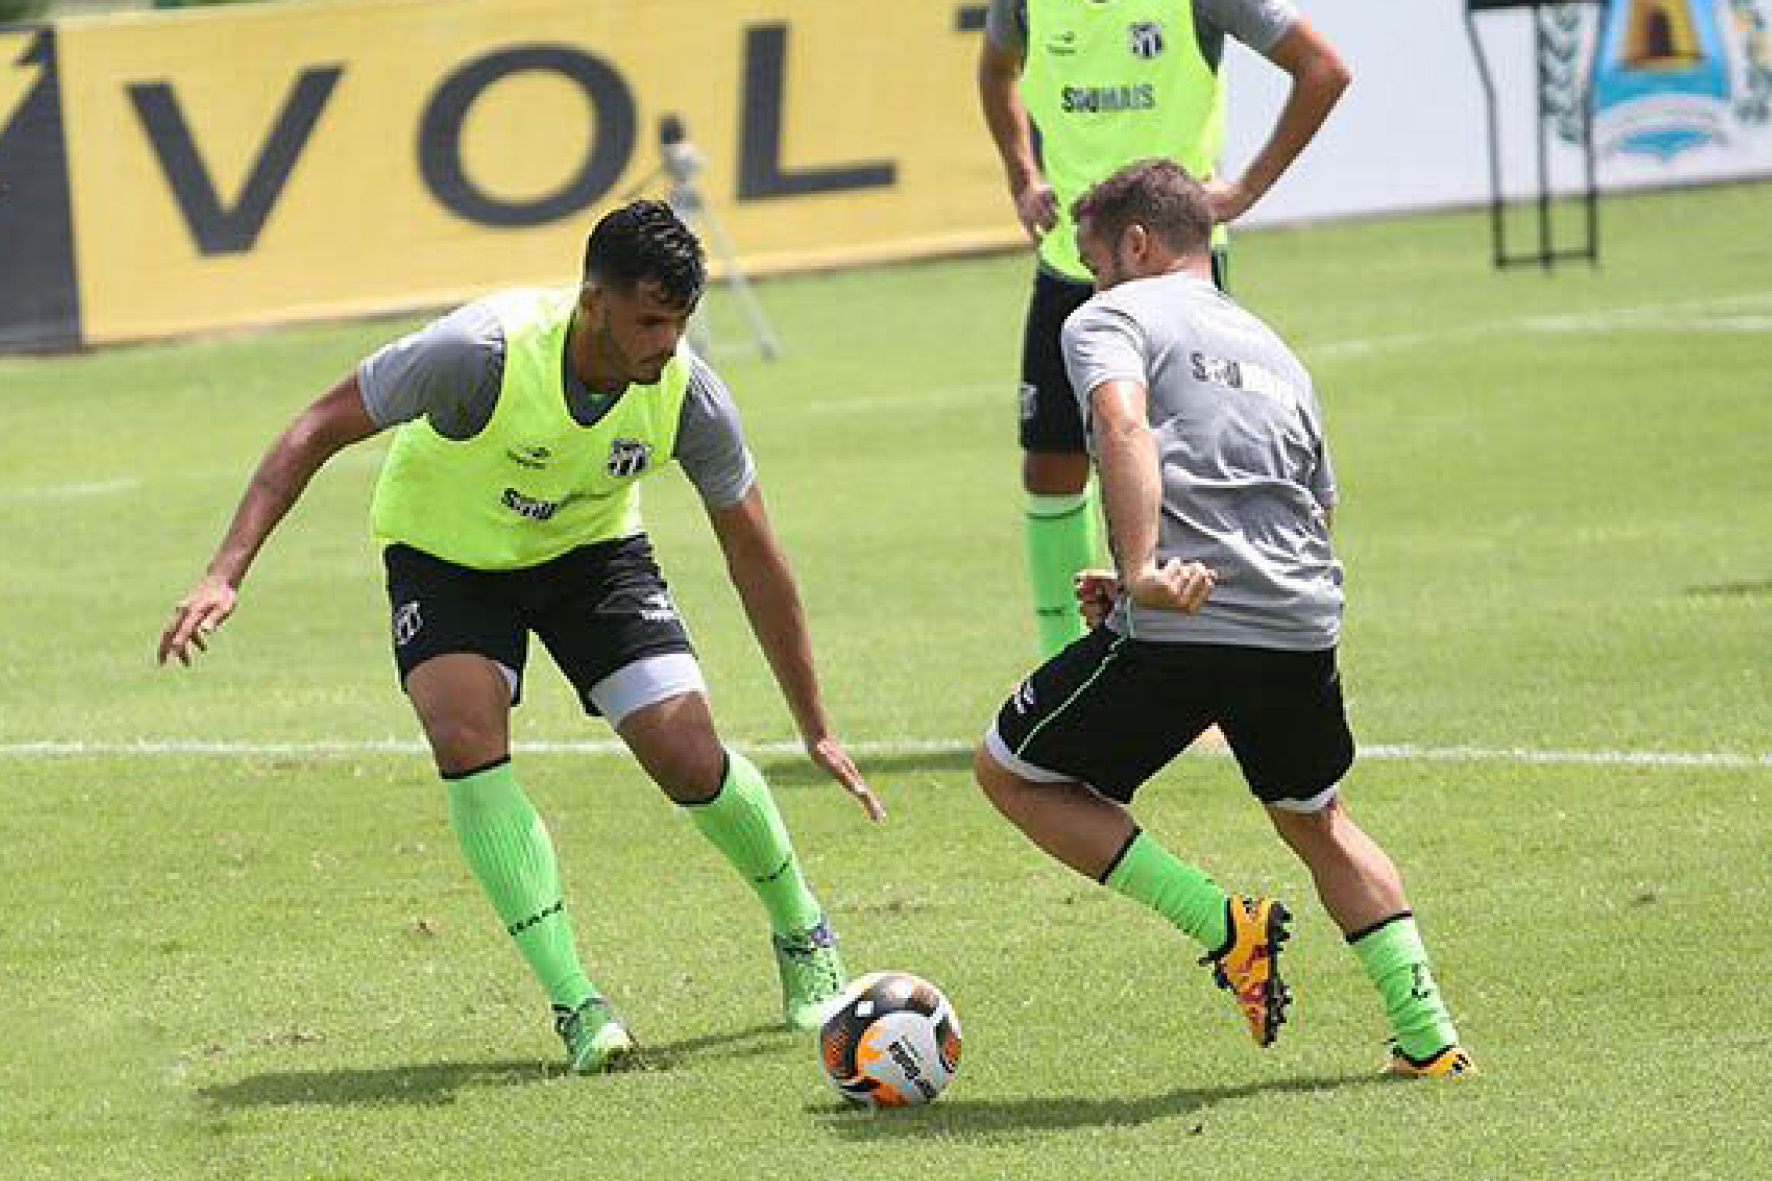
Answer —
(459, 744)
(1309, 829)
(996, 781)
(1055, 473)
(689, 773)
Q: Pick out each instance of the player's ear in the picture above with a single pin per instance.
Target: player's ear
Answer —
(1136, 241)
(593, 301)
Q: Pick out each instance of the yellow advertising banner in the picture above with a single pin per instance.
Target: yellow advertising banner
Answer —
(266, 162)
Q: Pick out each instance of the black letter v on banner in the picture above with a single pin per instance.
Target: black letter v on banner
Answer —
(233, 229)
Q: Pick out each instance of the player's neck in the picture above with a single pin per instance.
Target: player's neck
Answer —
(596, 371)
(1198, 266)
(1157, 259)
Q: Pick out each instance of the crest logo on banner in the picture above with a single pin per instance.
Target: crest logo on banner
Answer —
(1675, 75)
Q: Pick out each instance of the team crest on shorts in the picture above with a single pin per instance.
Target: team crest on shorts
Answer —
(658, 608)
(628, 457)
(1146, 38)
(406, 624)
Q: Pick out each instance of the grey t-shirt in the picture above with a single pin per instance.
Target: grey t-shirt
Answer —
(1259, 24)
(1245, 468)
(451, 370)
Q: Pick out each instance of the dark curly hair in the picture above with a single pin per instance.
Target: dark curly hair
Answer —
(1157, 194)
(645, 242)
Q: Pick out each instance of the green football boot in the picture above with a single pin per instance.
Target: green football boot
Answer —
(811, 975)
(595, 1038)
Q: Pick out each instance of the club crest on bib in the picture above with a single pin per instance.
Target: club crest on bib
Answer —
(1146, 38)
(628, 457)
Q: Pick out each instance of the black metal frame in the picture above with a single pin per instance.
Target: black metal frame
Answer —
(1548, 254)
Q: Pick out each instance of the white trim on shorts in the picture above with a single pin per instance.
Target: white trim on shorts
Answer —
(1315, 804)
(645, 682)
(1015, 764)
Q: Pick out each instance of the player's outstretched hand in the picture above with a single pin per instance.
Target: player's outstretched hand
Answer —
(1174, 586)
(829, 754)
(1037, 207)
(1095, 594)
(195, 619)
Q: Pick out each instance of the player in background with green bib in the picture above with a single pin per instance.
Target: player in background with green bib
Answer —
(1072, 90)
(509, 506)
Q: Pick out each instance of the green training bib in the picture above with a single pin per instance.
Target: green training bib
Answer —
(1108, 82)
(533, 483)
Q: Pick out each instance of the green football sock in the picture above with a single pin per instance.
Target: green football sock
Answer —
(1397, 963)
(508, 847)
(1061, 540)
(1181, 893)
(742, 822)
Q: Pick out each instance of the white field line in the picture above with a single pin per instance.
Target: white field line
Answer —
(68, 491)
(1403, 752)
(951, 395)
(1729, 313)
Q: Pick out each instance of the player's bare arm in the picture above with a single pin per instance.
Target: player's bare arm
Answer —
(334, 421)
(1132, 497)
(1318, 78)
(765, 583)
(1035, 205)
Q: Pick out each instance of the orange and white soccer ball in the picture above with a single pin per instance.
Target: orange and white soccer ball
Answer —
(891, 1040)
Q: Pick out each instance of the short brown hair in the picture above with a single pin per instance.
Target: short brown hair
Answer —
(1156, 194)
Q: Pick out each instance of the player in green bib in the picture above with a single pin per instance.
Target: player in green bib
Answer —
(509, 506)
(1104, 83)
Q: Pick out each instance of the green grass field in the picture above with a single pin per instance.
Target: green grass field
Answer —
(237, 940)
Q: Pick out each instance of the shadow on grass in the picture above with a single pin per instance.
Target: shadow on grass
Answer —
(436, 1084)
(430, 1085)
(984, 1118)
(799, 772)
(737, 1043)
(1759, 588)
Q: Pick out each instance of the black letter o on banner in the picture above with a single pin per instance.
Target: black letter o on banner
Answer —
(439, 136)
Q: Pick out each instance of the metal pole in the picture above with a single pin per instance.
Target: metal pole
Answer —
(1497, 224)
(767, 344)
(1587, 135)
(1542, 44)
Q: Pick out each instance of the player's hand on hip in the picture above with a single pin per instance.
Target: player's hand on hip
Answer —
(1037, 207)
(829, 754)
(1095, 594)
(195, 619)
(1174, 586)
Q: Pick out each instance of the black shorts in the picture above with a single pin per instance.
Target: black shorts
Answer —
(597, 609)
(1112, 712)
(1050, 420)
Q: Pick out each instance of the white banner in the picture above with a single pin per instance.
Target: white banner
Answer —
(1684, 91)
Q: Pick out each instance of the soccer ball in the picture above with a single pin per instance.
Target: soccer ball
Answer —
(891, 1040)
